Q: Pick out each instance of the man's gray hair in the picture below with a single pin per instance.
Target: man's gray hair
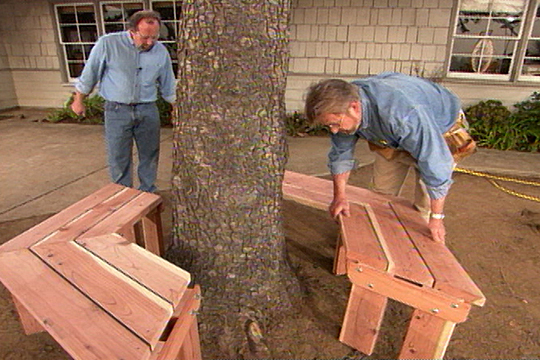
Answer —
(331, 96)
(136, 18)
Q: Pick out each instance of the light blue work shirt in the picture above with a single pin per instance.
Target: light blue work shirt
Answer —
(405, 113)
(128, 75)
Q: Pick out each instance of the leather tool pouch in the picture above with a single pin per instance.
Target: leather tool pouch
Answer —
(385, 152)
(459, 141)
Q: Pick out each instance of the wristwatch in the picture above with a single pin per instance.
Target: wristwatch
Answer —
(437, 216)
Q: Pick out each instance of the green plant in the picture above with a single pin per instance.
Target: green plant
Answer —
(95, 114)
(296, 125)
(494, 126)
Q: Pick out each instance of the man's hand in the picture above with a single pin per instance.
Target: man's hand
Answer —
(436, 226)
(339, 205)
(77, 105)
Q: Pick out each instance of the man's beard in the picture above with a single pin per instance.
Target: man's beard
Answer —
(144, 47)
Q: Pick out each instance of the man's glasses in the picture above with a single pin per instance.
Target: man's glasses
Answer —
(336, 125)
(145, 37)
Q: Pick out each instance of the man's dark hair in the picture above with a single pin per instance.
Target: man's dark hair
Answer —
(136, 18)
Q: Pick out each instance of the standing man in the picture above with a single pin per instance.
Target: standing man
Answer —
(130, 66)
(407, 121)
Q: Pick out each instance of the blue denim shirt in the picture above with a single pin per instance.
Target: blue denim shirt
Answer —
(406, 113)
(126, 74)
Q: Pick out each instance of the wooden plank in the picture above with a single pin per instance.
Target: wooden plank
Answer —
(306, 196)
(418, 297)
(450, 277)
(152, 232)
(74, 321)
(87, 220)
(151, 271)
(50, 225)
(361, 240)
(427, 337)
(125, 215)
(191, 348)
(407, 261)
(324, 188)
(29, 324)
(139, 309)
(363, 318)
(340, 260)
(186, 316)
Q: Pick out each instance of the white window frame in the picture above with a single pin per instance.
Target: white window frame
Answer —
(518, 53)
(124, 22)
(63, 43)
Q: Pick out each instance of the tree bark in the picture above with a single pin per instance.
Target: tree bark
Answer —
(229, 159)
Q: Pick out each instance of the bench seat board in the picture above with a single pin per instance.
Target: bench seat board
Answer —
(127, 215)
(73, 320)
(407, 261)
(356, 233)
(50, 225)
(135, 306)
(163, 278)
(86, 221)
(450, 277)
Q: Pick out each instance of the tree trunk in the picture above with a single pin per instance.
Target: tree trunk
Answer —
(229, 158)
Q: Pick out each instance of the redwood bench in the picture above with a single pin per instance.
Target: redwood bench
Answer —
(386, 250)
(80, 276)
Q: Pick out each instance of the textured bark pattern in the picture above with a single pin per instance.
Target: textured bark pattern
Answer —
(230, 153)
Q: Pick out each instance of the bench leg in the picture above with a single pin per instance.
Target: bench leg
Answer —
(152, 232)
(29, 324)
(427, 337)
(191, 348)
(340, 261)
(363, 319)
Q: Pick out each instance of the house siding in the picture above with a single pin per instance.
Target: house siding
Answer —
(328, 38)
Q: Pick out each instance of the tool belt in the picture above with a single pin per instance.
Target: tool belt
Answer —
(458, 139)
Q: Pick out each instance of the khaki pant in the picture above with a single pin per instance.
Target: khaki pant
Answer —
(389, 176)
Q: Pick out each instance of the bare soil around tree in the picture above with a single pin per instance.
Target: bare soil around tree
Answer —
(495, 236)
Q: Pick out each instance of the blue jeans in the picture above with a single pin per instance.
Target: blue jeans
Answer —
(123, 124)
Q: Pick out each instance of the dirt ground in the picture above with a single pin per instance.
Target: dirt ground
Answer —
(495, 236)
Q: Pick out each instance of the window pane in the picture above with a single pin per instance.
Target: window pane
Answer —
(78, 32)
(165, 9)
(66, 15)
(116, 14)
(74, 52)
(168, 31)
(486, 36)
(115, 27)
(531, 64)
(70, 33)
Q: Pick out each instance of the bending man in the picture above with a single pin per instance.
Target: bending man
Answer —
(406, 120)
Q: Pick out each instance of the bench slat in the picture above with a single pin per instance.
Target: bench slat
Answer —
(70, 317)
(50, 225)
(165, 279)
(408, 263)
(357, 234)
(133, 305)
(450, 277)
(87, 220)
(127, 214)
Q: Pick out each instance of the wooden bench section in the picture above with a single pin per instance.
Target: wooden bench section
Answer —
(96, 292)
(386, 250)
(134, 214)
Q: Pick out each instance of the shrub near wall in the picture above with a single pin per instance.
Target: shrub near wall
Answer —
(95, 113)
(495, 127)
